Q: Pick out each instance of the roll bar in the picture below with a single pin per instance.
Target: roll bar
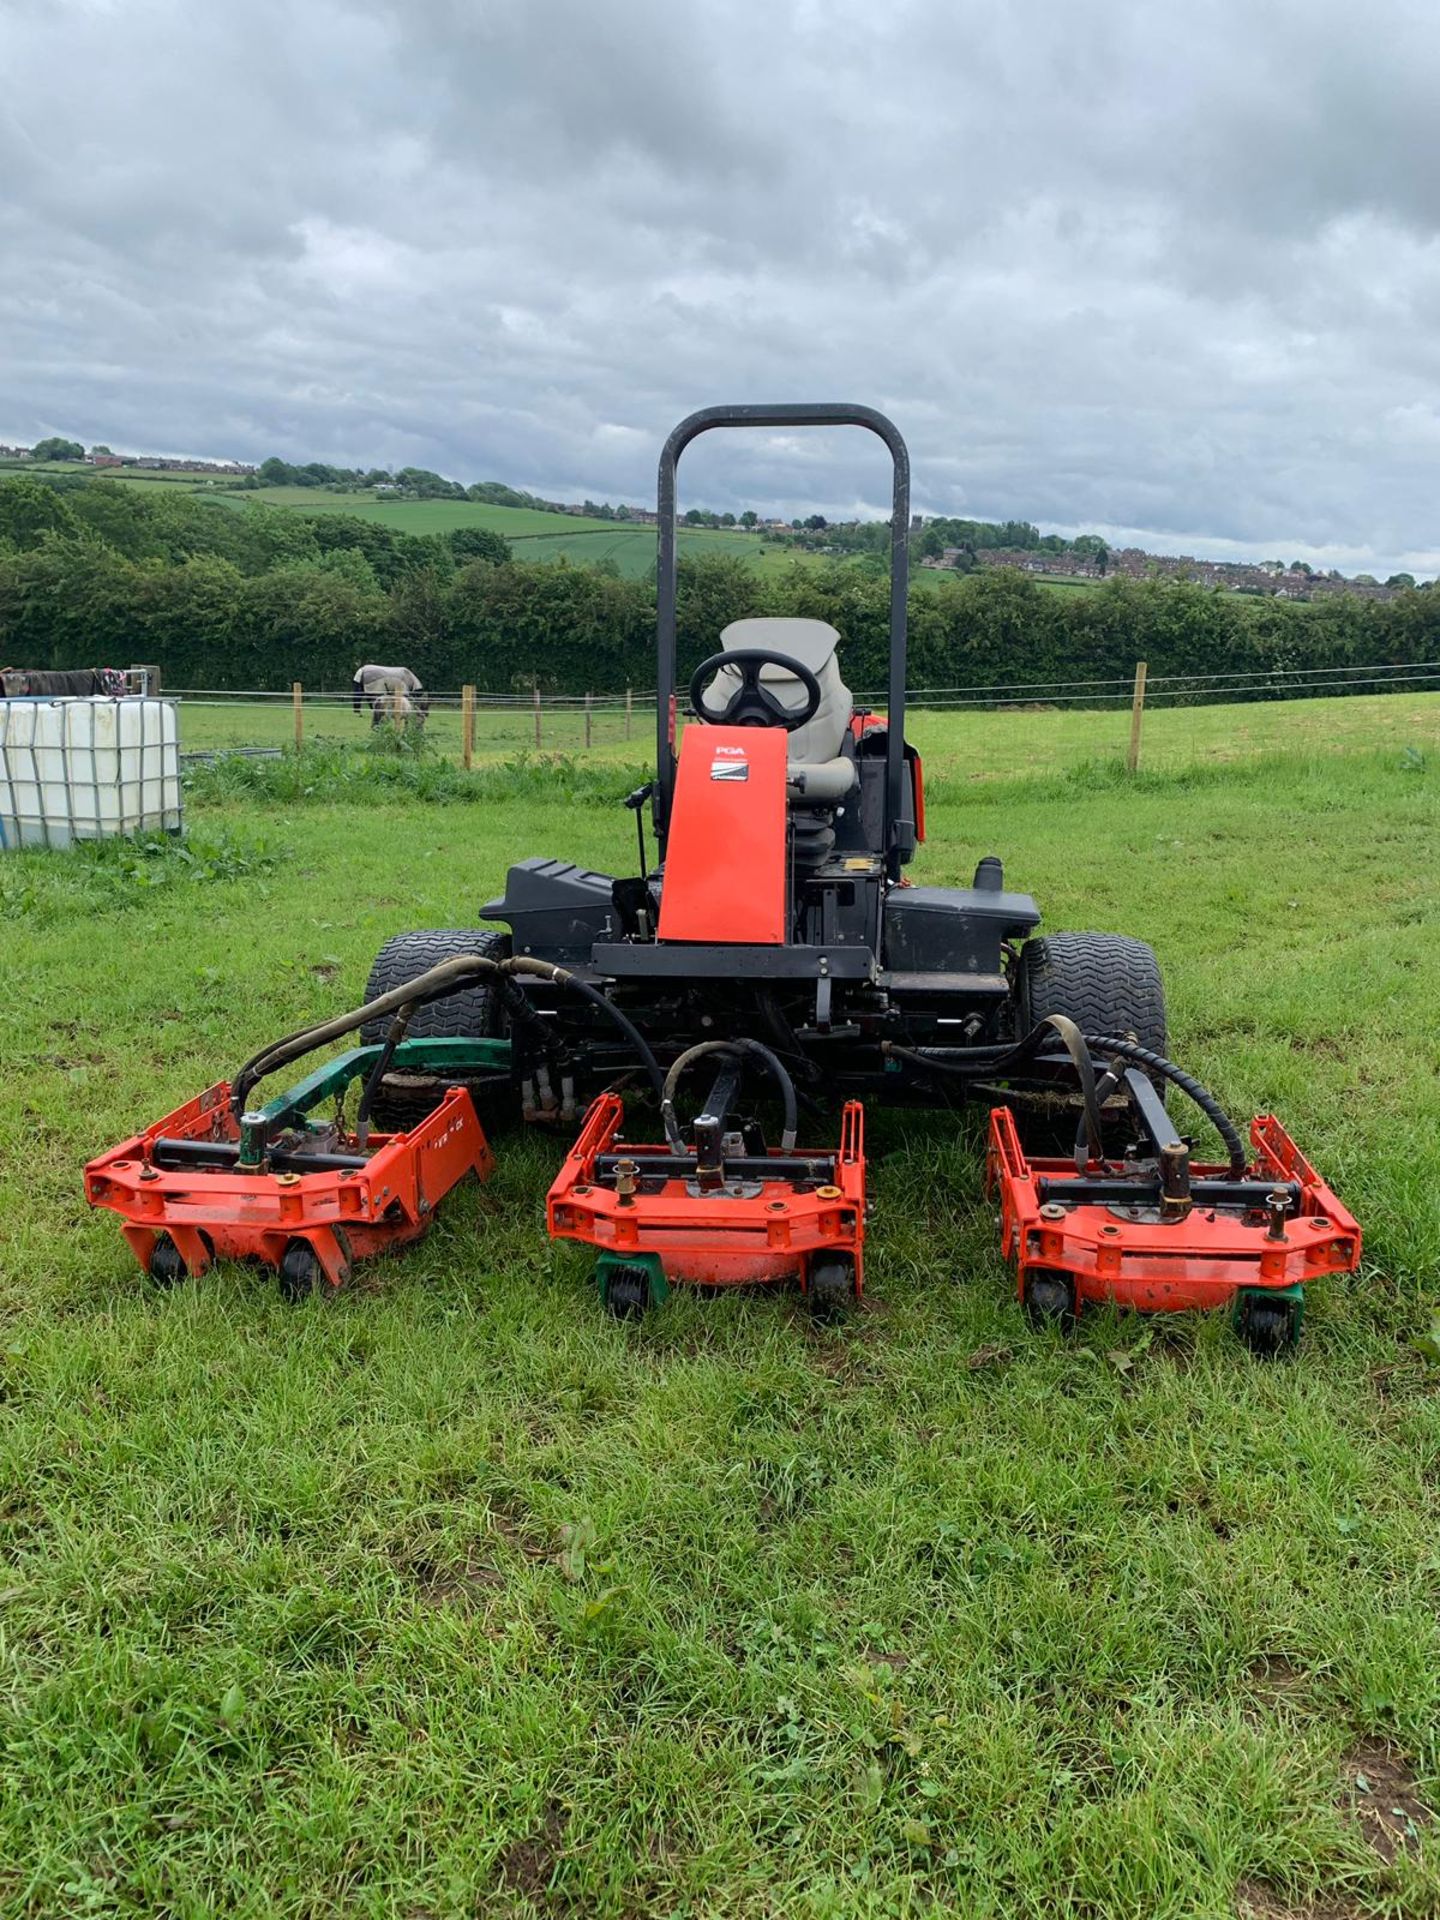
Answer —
(838, 414)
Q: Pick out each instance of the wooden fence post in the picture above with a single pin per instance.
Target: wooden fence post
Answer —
(297, 696)
(629, 701)
(588, 701)
(1137, 714)
(467, 726)
(537, 716)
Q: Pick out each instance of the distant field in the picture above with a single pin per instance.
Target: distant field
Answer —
(533, 534)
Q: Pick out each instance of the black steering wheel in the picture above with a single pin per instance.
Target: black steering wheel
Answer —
(752, 704)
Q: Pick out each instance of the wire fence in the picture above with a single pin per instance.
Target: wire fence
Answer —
(470, 725)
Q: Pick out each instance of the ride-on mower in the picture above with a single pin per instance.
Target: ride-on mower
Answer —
(775, 940)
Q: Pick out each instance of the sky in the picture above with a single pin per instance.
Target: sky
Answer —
(1170, 273)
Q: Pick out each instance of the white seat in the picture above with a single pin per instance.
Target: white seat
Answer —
(818, 772)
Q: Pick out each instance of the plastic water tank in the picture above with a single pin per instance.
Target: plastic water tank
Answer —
(85, 769)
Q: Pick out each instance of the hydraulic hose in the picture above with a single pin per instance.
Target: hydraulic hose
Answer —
(987, 1063)
(761, 1052)
(1153, 1062)
(448, 977)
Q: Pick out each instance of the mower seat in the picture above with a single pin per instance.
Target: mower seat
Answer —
(819, 772)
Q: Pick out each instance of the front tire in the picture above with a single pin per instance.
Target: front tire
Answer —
(1106, 983)
(405, 1099)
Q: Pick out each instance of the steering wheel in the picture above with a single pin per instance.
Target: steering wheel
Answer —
(752, 704)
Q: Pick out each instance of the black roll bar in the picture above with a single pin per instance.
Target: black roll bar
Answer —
(838, 414)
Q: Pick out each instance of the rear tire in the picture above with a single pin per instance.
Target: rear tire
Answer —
(167, 1263)
(627, 1293)
(1106, 983)
(1050, 1299)
(301, 1273)
(405, 1099)
(830, 1290)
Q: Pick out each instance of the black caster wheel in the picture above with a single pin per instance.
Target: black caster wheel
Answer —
(1050, 1300)
(627, 1294)
(300, 1272)
(1269, 1327)
(167, 1263)
(830, 1289)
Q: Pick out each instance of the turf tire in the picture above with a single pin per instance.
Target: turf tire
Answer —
(1106, 983)
(406, 1098)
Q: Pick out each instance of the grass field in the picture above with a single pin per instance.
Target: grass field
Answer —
(449, 1597)
(969, 746)
(533, 535)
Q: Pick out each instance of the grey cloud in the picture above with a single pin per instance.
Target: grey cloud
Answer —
(1172, 272)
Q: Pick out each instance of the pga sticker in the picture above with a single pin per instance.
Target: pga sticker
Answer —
(729, 764)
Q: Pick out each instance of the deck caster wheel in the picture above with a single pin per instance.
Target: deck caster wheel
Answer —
(1050, 1300)
(167, 1263)
(1268, 1322)
(300, 1272)
(627, 1292)
(830, 1289)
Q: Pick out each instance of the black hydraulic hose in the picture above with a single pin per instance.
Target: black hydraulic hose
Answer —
(761, 1052)
(1139, 1056)
(399, 1027)
(988, 1061)
(606, 1006)
(985, 1063)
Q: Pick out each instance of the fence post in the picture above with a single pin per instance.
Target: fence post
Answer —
(1137, 714)
(588, 699)
(629, 700)
(297, 696)
(536, 691)
(467, 726)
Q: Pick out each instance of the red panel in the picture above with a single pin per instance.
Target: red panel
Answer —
(725, 857)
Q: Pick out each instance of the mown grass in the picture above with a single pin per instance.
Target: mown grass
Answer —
(449, 1597)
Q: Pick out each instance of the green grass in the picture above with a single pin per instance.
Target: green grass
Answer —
(448, 1597)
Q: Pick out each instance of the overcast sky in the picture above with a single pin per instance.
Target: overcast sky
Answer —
(1167, 271)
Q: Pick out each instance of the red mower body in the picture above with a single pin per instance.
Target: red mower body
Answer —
(341, 1214)
(1201, 1258)
(758, 1226)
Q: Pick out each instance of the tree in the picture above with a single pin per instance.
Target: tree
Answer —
(100, 448)
(1401, 580)
(29, 510)
(817, 523)
(478, 543)
(749, 518)
(57, 449)
(727, 519)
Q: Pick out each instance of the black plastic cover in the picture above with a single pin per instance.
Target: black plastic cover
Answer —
(554, 908)
(953, 929)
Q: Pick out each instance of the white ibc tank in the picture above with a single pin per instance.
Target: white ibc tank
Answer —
(84, 769)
